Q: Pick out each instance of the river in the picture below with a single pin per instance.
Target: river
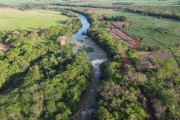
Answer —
(88, 100)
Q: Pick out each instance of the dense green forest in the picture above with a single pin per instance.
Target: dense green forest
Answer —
(121, 94)
(41, 79)
(29, 46)
(118, 95)
(166, 12)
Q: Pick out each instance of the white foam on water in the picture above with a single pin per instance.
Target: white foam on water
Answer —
(97, 62)
(84, 113)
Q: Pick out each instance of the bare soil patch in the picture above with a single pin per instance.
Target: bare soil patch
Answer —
(116, 29)
(148, 106)
(4, 48)
(147, 58)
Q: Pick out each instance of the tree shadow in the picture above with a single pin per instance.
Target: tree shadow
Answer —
(16, 79)
(31, 28)
(61, 22)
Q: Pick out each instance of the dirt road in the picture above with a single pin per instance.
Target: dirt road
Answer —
(121, 35)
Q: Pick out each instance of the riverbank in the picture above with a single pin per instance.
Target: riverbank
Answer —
(87, 102)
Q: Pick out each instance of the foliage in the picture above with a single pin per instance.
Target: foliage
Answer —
(88, 49)
(176, 51)
(116, 18)
(45, 79)
(166, 12)
(114, 48)
(162, 89)
(28, 47)
(118, 94)
(45, 91)
(153, 32)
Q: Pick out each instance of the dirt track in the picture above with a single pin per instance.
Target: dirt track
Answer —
(121, 35)
(148, 106)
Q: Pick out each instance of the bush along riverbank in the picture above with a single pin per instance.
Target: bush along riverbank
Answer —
(118, 94)
(40, 77)
(125, 91)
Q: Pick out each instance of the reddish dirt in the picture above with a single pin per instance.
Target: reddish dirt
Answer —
(134, 76)
(4, 48)
(125, 60)
(148, 106)
(121, 35)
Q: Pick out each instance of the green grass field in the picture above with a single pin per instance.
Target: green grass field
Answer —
(153, 31)
(100, 2)
(131, 2)
(176, 51)
(16, 2)
(33, 19)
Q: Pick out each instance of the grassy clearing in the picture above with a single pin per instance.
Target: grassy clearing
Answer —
(129, 2)
(176, 51)
(152, 31)
(155, 2)
(33, 19)
(172, 12)
(16, 2)
(100, 2)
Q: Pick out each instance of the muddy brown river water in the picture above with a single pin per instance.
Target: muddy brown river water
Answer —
(88, 99)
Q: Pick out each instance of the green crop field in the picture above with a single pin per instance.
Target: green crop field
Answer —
(16, 2)
(176, 51)
(16, 19)
(101, 2)
(129, 2)
(151, 30)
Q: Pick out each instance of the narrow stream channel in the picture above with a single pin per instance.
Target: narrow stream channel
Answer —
(88, 99)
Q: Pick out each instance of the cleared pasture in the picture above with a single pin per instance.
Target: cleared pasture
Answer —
(33, 19)
(176, 51)
(16, 2)
(100, 2)
(126, 2)
(152, 31)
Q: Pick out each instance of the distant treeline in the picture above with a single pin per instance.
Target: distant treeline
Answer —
(124, 3)
(155, 12)
(92, 6)
(25, 6)
(116, 18)
(3, 5)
